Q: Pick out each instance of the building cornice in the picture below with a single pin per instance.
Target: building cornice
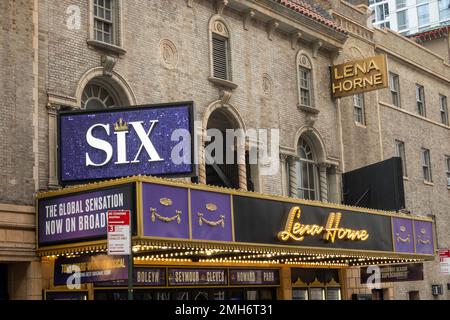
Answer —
(291, 21)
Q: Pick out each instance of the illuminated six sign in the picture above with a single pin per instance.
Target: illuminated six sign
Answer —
(120, 142)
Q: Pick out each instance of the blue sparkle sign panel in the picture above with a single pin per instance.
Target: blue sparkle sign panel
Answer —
(120, 142)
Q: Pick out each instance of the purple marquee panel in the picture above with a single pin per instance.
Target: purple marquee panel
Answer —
(403, 235)
(211, 216)
(165, 211)
(119, 142)
(424, 237)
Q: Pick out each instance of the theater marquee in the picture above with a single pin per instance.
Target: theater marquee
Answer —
(173, 213)
(359, 76)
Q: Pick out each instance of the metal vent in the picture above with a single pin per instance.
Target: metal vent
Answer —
(220, 58)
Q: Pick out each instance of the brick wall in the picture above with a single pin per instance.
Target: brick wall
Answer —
(16, 102)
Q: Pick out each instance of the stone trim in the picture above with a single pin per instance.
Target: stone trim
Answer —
(18, 226)
(5, 207)
(106, 46)
(357, 30)
(223, 83)
(414, 64)
(308, 109)
(289, 20)
(58, 99)
(388, 105)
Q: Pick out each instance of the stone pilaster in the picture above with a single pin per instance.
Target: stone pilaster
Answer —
(242, 170)
(323, 182)
(284, 173)
(293, 192)
(202, 160)
(284, 292)
(52, 110)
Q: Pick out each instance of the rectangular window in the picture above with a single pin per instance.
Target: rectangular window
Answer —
(358, 103)
(447, 165)
(382, 12)
(444, 109)
(400, 152)
(402, 20)
(444, 10)
(220, 57)
(420, 98)
(305, 86)
(423, 15)
(104, 21)
(426, 165)
(400, 3)
(394, 85)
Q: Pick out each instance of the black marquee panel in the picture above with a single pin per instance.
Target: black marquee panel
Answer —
(260, 220)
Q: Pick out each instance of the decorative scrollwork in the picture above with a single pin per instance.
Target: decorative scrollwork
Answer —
(155, 215)
(202, 220)
(421, 241)
(404, 240)
(220, 28)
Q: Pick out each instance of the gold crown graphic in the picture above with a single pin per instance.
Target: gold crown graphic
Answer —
(120, 126)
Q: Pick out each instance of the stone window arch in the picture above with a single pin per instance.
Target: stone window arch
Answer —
(217, 119)
(305, 80)
(102, 93)
(308, 172)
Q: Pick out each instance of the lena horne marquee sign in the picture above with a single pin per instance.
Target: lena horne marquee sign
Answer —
(121, 142)
(174, 211)
(331, 232)
(359, 76)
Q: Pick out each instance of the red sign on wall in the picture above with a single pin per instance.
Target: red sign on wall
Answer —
(119, 238)
(444, 257)
(444, 253)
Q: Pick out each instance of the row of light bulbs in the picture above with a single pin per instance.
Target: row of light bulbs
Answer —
(353, 260)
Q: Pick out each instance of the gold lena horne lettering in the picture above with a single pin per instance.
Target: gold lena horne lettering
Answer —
(332, 230)
(359, 76)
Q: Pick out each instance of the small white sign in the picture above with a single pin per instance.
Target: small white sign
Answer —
(445, 266)
(119, 237)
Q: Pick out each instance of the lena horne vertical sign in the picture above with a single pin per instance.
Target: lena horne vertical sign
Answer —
(121, 142)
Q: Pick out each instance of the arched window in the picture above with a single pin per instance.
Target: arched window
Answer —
(220, 49)
(98, 96)
(305, 81)
(307, 172)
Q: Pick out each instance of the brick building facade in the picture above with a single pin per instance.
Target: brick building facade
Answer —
(162, 51)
